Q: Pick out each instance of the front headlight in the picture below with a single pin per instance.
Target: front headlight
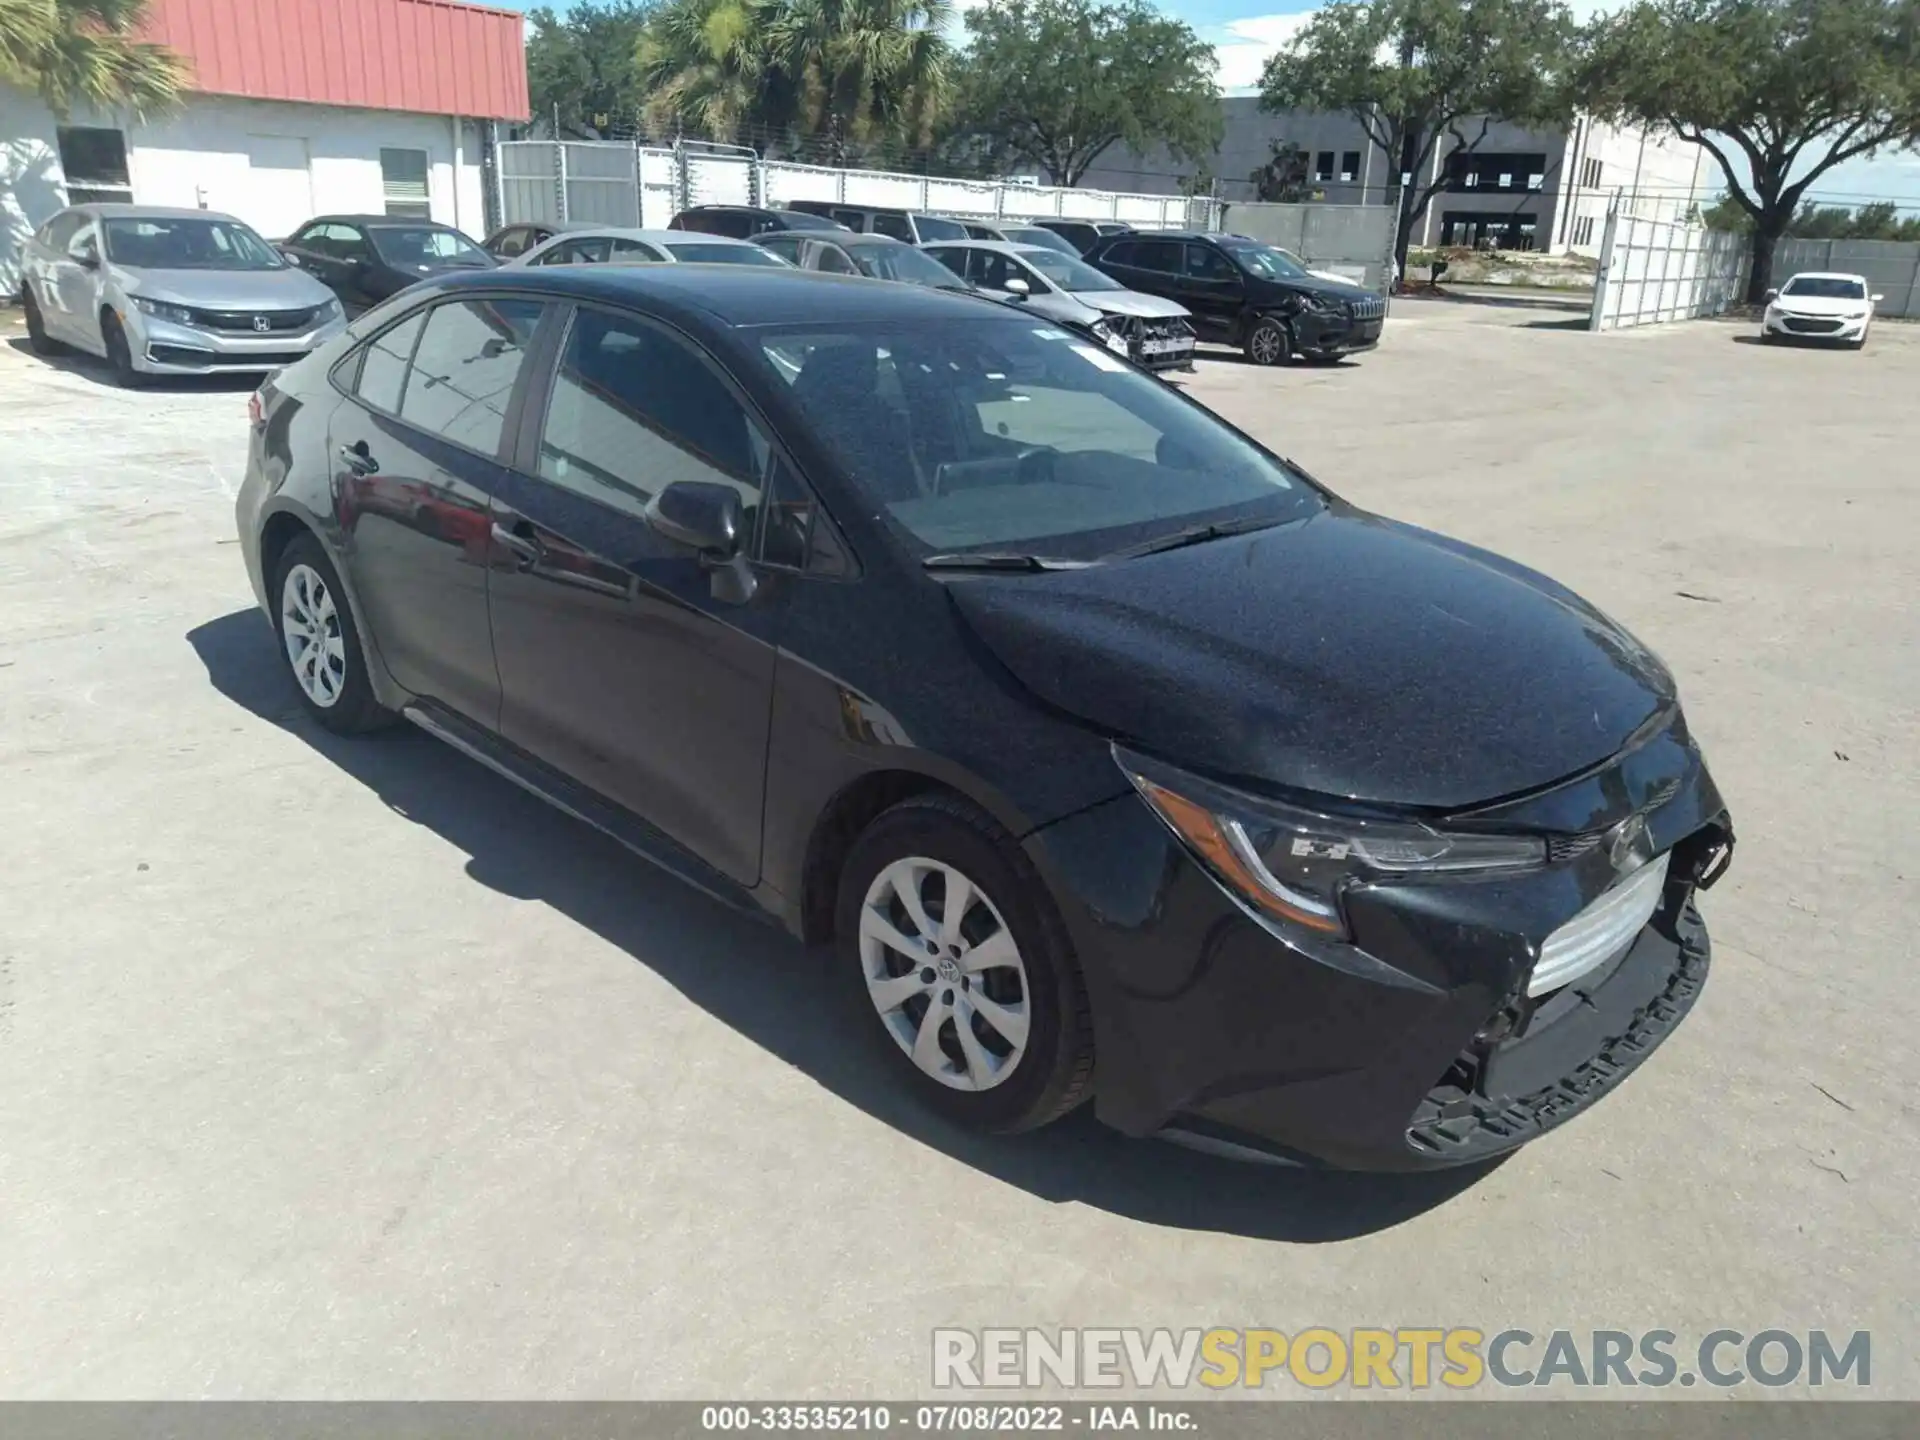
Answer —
(1320, 305)
(329, 312)
(1291, 863)
(160, 310)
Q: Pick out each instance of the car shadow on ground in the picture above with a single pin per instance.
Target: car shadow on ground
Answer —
(779, 994)
(96, 371)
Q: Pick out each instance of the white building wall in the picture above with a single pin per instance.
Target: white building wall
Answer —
(273, 164)
(1654, 175)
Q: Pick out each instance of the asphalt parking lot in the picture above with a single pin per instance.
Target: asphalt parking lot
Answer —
(344, 1069)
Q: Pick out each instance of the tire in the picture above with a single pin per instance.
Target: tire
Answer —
(309, 600)
(119, 353)
(1001, 1082)
(1269, 342)
(37, 338)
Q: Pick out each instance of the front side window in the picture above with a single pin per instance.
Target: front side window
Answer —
(1206, 263)
(189, 244)
(634, 409)
(383, 367)
(832, 260)
(464, 369)
(512, 242)
(1825, 287)
(896, 226)
(900, 262)
(632, 252)
(422, 246)
(59, 231)
(998, 434)
(592, 251)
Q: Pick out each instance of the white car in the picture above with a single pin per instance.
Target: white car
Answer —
(601, 245)
(1820, 305)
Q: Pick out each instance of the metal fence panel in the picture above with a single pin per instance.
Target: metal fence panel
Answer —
(1654, 271)
(1351, 240)
(719, 179)
(602, 185)
(963, 197)
(529, 177)
(659, 172)
(1891, 268)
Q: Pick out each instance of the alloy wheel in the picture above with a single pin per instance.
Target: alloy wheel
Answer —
(1267, 342)
(310, 629)
(944, 973)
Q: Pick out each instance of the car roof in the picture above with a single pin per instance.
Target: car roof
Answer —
(1824, 275)
(117, 210)
(652, 237)
(999, 247)
(378, 221)
(732, 296)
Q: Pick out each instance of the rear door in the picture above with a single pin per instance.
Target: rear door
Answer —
(1213, 290)
(416, 455)
(619, 663)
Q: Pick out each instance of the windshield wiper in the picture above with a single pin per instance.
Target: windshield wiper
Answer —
(1196, 535)
(999, 560)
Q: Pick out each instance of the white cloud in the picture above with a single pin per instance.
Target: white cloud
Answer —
(1242, 46)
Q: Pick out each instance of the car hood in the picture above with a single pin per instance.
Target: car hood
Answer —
(1316, 285)
(1131, 302)
(1344, 655)
(1819, 305)
(287, 289)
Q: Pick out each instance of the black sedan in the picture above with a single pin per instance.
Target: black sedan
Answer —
(365, 259)
(1117, 757)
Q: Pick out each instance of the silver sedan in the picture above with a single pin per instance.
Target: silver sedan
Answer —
(169, 292)
(612, 244)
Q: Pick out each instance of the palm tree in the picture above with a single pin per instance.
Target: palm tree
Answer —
(86, 52)
(706, 66)
(864, 69)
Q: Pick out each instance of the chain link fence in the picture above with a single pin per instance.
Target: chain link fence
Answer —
(1354, 241)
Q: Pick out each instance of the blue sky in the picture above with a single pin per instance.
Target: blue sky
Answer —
(1244, 32)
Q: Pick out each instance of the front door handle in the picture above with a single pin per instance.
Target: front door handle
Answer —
(359, 458)
(519, 542)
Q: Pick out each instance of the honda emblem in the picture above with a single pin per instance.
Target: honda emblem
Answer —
(262, 324)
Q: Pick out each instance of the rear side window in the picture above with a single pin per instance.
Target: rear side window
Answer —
(464, 369)
(786, 244)
(1121, 254)
(954, 259)
(935, 227)
(512, 242)
(1163, 256)
(383, 367)
(633, 252)
(896, 226)
(834, 260)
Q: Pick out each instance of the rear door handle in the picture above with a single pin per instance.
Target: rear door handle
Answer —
(520, 543)
(359, 459)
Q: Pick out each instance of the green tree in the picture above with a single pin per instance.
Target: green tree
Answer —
(1726, 214)
(1778, 91)
(1283, 179)
(1058, 83)
(87, 52)
(1427, 77)
(863, 71)
(706, 65)
(585, 66)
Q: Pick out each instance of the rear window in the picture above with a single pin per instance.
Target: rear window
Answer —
(708, 254)
(932, 227)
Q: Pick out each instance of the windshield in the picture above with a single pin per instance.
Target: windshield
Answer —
(903, 262)
(1034, 235)
(707, 253)
(1068, 272)
(188, 245)
(1263, 260)
(1001, 434)
(1825, 287)
(424, 245)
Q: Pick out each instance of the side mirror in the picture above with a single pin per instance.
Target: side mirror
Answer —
(289, 256)
(88, 259)
(1773, 294)
(1018, 288)
(701, 515)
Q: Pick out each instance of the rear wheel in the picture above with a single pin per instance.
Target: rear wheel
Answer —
(321, 643)
(37, 337)
(952, 945)
(119, 351)
(1270, 342)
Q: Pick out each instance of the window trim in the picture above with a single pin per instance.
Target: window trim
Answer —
(528, 424)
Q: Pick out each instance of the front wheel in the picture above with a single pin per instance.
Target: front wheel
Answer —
(119, 351)
(1270, 342)
(952, 944)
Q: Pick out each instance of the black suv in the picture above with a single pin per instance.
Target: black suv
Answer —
(743, 222)
(908, 225)
(1243, 293)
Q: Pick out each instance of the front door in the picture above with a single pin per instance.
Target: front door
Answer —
(77, 280)
(1214, 293)
(619, 664)
(415, 459)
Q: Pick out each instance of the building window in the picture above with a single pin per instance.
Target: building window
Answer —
(1590, 173)
(403, 180)
(1350, 166)
(1323, 165)
(1583, 230)
(95, 164)
(1537, 180)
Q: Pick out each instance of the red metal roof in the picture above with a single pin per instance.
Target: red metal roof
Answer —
(437, 57)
